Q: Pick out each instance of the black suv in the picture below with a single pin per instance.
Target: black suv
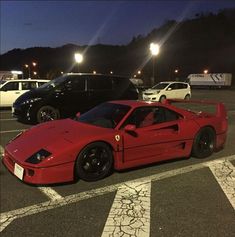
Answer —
(70, 93)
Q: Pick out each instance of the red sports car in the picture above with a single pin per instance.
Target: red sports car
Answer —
(114, 135)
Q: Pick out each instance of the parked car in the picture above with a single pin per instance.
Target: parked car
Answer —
(168, 90)
(10, 90)
(114, 135)
(72, 92)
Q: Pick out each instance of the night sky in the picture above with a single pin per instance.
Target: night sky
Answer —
(27, 24)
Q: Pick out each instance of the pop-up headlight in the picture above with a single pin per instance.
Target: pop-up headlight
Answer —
(38, 156)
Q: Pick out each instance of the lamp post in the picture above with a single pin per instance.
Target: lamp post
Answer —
(78, 58)
(154, 49)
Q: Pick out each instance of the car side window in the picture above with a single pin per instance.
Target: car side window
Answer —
(76, 84)
(170, 115)
(98, 84)
(147, 116)
(141, 117)
(41, 83)
(11, 86)
(28, 85)
(174, 86)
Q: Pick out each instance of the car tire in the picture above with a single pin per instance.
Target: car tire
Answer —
(162, 98)
(204, 143)
(187, 97)
(47, 113)
(94, 162)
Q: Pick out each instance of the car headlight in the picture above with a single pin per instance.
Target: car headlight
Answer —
(31, 101)
(38, 156)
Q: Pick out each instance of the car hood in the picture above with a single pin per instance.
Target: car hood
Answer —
(34, 93)
(55, 136)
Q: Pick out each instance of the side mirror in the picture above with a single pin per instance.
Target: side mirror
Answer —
(169, 89)
(78, 114)
(130, 128)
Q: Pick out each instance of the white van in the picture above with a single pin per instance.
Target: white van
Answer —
(10, 90)
(168, 90)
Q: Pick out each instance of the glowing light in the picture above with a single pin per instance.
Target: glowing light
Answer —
(205, 71)
(154, 48)
(78, 57)
(17, 72)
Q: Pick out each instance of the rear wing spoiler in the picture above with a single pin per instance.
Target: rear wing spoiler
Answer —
(220, 107)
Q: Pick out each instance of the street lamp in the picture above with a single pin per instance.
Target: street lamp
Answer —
(78, 58)
(154, 49)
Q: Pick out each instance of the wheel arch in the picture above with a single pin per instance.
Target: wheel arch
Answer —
(198, 132)
(85, 145)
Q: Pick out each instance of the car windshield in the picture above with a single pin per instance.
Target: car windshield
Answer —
(106, 115)
(160, 86)
(2, 82)
(54, 83)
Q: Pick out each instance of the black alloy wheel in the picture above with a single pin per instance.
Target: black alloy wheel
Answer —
(94, 162)
(47, 113)
(204, 143)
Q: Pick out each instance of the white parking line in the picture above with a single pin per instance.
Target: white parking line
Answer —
(1, 151)
(224, 173)
(130, 212)
(12, 131)
(6, 112)
(8, 119)
(51, 193)
(7, 217)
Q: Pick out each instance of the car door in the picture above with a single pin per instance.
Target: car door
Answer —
(9, 93)
(172, 91)
(99, 89)
(161, 138)
(72, 96)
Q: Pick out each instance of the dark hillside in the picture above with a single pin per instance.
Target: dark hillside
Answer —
(207, 41)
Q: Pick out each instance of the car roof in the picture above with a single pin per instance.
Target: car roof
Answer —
(92, 74)
(173, 82)
(19, 80)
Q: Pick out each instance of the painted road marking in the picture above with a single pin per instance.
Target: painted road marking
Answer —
(7, 217)
(12, 119)
(224, 173)
(12, 131)
(1, 151)
(51, 193)
(130, 212)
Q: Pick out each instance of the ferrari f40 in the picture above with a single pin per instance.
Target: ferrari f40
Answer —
(115, 135)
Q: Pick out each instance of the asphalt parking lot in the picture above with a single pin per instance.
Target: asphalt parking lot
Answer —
(188, 197)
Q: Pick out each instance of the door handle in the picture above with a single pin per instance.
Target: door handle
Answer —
(17, 92)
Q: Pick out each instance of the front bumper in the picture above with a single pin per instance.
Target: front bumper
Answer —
(21, 112)
(151, 98)
(40, 175)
